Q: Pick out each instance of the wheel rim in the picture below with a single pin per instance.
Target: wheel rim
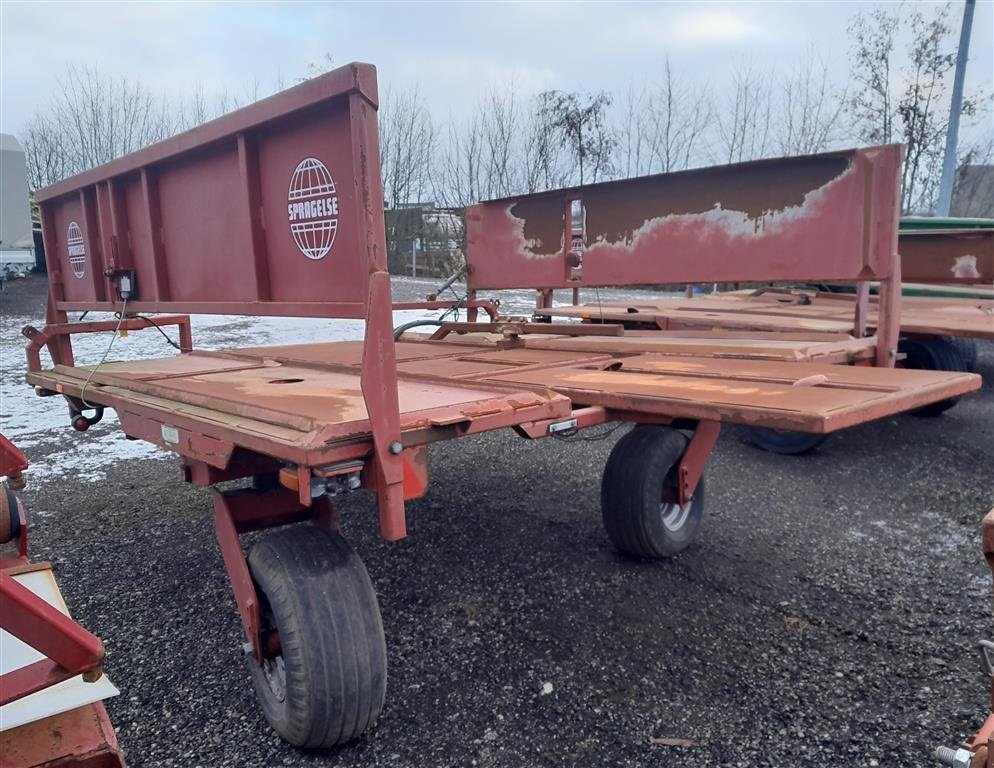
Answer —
(274, 671)
(674, 516)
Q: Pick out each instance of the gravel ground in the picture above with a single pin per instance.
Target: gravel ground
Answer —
(826, 616)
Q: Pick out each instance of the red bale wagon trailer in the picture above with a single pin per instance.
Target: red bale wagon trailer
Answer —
(277, 209)
(790, 221)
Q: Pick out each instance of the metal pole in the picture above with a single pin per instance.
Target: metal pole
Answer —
(952, 135)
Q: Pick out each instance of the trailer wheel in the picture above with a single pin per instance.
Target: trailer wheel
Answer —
(784, 442)
(640, 471)
(328, 683)
(967, 349)
(932, 355)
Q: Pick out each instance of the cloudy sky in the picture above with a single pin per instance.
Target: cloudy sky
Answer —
(453, 50)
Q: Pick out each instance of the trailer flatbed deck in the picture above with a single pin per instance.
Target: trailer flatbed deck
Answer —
(304, 398)
(820, 312)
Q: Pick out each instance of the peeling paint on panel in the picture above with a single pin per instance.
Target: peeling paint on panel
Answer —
(966, 267)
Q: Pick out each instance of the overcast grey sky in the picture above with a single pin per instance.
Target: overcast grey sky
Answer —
(454, 50)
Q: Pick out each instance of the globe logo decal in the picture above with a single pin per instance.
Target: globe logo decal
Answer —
(312, 208)
(76, 248)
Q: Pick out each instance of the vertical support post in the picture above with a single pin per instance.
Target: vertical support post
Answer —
(472, 312)
(885, 243)
(248, 166)
(695, 458)
(378, 377)
(238, 572)
(150, 195)
(105, 230)
(60, 346)
(862, 308)
(889, 316)
(96, 258)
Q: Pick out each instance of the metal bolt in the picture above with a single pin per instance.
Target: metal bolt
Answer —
(396, 447)
(954, 758)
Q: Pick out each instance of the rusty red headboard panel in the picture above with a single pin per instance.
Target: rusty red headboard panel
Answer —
(275, 209)
(964, 256)
(832, 216)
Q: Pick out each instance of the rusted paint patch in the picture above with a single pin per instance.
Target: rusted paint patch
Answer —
(965, 267)
(734, 224)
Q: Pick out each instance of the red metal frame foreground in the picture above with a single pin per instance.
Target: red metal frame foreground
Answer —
(828, 217)
(70, 649)
(83, 736)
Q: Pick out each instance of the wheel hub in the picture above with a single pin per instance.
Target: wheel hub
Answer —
(674, 516)
(274, 671)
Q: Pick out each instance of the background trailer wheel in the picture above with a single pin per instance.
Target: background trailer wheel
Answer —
(324, 681)
(967, 349)
(936, 354)
(639, 504)
(784, 442)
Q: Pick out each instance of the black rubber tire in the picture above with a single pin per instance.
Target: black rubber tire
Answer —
(641, 466)
(967, 349)
(932, 355)
(315, 591)
(784, 443)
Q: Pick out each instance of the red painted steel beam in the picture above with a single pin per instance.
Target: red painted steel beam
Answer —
(71, 650)
(34, 677)
(52, 334)
(244, 511)
(695, 458)
(12, 460)
(246, 598)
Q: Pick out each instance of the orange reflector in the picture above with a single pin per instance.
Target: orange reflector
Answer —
(289, 479)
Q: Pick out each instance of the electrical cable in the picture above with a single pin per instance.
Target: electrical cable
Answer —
(574, 436)
(113, 338)
(158, 327)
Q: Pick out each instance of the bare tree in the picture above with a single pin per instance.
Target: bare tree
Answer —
(104, 117)
(460, 178)
(684, 112)
(638, 139)
(811, 108)
(663, 125)
(744, 126)
(407, 141)
(45, 153)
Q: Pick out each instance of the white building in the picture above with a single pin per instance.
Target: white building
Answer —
(16, 240)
